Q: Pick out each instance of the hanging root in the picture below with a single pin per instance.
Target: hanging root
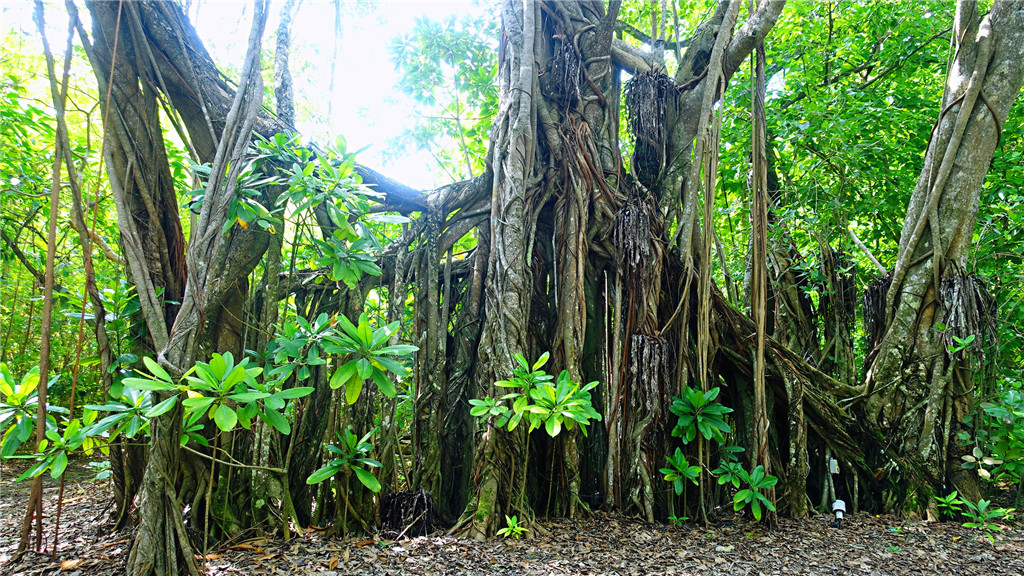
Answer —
(408, 513)
(874, 309)
(565, 71)
(649, 368)
(648, 98)
(969, 314)
(839, 295)
(634, 232)
(631, 230)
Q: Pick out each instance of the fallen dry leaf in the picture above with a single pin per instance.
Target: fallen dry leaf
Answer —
(71, 564)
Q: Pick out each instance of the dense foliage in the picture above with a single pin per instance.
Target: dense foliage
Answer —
(853, 89)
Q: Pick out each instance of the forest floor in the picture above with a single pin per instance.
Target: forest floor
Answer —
(600, 544)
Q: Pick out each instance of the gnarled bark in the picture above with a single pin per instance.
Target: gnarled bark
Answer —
(919, 392)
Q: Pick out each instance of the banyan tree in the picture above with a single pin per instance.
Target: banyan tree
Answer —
(604, 260)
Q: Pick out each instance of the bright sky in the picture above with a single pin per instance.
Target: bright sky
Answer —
(363, 105)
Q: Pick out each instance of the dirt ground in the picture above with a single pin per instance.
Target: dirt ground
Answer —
(600, 544)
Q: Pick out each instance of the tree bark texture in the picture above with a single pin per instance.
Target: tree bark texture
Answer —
(920, 392)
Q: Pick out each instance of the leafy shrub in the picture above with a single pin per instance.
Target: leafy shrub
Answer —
(753, 496)
(699, 413)
(540, 403)
(513, 528)
(680, 469)
(350, 454)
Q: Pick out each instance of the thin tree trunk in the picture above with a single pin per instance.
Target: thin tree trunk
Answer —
(35, 500)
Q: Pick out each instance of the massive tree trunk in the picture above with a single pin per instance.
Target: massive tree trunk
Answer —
(563, 216)
(919, 381)
(197, 285)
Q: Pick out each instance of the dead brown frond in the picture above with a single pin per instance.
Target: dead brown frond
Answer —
(969, 314)
(649, 370)
(566, 70)
(648, 98)
(874, 309)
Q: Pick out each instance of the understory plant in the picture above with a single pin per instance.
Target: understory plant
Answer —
(18, 402)
(983, 518)
(541, 403)
(350, 454)
(703, 419)
(998, 451)
(756, 481)
(980, 515)
(513, 528)
(679, 469)
(350, 457)
(698, 413)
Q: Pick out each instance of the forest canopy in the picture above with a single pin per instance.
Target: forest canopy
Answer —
(677, 258)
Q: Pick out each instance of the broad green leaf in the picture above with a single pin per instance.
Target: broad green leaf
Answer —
(323, 473)
(162, 407)
(225, 418)
(384, 384)
(297, 392)
(250, 396)
(343, 374)
(553, 425)
(277, 420)
(146, 384)
(198, 403)
(59, 464)
(156, 370)
(353, 388)
(368, 479)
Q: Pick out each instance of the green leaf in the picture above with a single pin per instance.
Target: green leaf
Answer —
(225, 418)
(249, 396)
(353, 388)
(741, 498)
(161, 407)
(146, 384)
(156, 369)
(297, 392)
(198, 403)
(59, 464)
(367, 478)
(323, 473)
(343, 375)
(553, 426)
(275, 419)
(384, 384)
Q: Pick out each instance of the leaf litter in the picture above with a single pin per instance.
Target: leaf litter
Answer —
(596, 544)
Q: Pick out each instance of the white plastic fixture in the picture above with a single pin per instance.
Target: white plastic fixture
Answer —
(839, 511)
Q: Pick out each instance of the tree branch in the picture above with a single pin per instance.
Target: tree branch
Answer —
(628, 57)
(640, 35)
(39, 276)
(99, 241)
(753, 31)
